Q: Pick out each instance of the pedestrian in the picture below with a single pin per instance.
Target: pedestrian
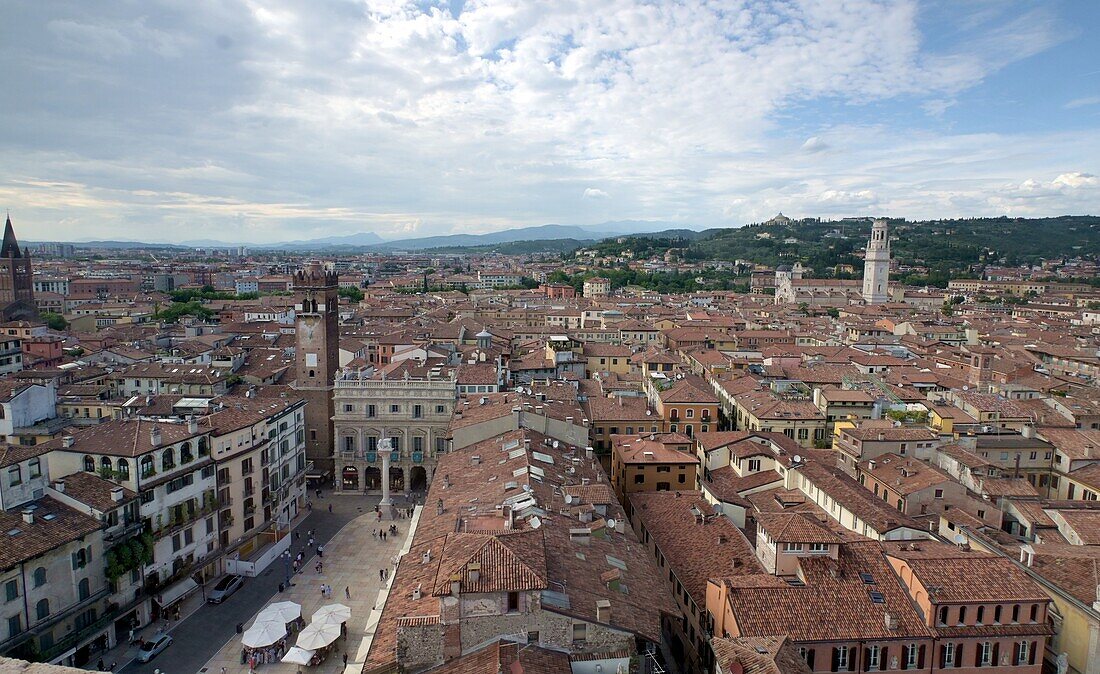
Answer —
(374, 534)
(347, 592)
(381, 574)
(345, 658)
(100, 666)
(330, 507)
(322, 590)
(320, 551)
(297, 535)
(223, 670)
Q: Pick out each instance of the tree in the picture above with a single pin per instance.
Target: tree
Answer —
(947, 309)
(352, 293)
(54, 321)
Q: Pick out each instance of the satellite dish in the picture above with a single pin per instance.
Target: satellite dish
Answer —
(536, 523)
(960, 539)
(568, 499)
(611, 524)
(798, 458)
(526, 487)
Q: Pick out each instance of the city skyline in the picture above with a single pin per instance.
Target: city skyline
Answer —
(249, 123)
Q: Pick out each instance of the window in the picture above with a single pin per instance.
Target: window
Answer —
(35, 468)
(910, 653)
(939, 493)
(394, 409)
(1034, 613)
(1015, 613)
(15, 476)
(40, 576)
(754, 465)
(123, 471)
(997, 614)
(349, 408)
(513, 602)
(639, 478)
(803, 433)
(792, 547)
(873, 655)
(1020, 653)
(15, 626)
(985, 653)
(89, 464)
(147, 466)
(84, 590)
(580, 631)
(842, 661)
(349, 443)
(818, 547)
(947, 655)
(167, 460)
(11, 590)
(981, 615)
(681, 478)
(943, 615)
(690, 413)
(372, 411)
(418, 411)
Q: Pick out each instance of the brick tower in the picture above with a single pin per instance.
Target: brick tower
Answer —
(16, 280)
(317, 357)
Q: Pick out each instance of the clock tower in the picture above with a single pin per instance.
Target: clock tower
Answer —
(316, 358)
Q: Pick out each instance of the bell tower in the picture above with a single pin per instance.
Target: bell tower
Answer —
(317, 357)
(16, 275)
(876, 265)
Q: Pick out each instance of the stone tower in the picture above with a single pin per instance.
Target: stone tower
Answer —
(16, 279)
(317, 357)
(876, 265)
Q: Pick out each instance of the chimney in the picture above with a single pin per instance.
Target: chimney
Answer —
(154, 436)
(881, 436)
(416, 591)
(871, 465)
(68, 441)
(59, 486)
(28, 516)
(192, 424)
(426, 557)
(474, 569)
(116, 494)
(891, 622)
(603, 611)
(588, 452)
(438, 508)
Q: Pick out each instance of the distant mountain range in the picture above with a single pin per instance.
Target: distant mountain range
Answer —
(370, 240)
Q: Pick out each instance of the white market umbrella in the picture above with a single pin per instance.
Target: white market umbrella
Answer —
(318, 635)
(263, 634)
(287, 611)
(298, 656)
(332, 613)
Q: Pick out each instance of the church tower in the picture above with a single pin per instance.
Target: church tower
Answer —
(317, 357)
(16, 278)
(876, 265)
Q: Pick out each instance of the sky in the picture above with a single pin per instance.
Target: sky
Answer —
(273, 120)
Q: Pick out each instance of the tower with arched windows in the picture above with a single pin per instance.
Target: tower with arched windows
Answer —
(876, 265)
(317, 357)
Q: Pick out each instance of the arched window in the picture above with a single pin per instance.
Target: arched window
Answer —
(167, 460)
(40, 576)
(42, 608)
(186, 456)
(85, 589)
(146, 466)
(123, 467)
(89, 464)
(204, 449)
(105, 465)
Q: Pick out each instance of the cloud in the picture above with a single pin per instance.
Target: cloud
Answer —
(1082, 102)
(1075, 180)
(814, 144)
(936, 107)
(272, 117)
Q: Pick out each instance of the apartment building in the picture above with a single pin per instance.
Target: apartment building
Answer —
(651, 463)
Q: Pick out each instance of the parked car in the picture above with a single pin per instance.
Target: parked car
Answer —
(152, 648)
(225, 587)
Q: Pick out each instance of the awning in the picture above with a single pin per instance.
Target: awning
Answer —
(172, 594)
(317, 476)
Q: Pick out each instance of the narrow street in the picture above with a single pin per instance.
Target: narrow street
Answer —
(201, 634)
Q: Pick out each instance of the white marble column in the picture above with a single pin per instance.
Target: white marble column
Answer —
(384, 447)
